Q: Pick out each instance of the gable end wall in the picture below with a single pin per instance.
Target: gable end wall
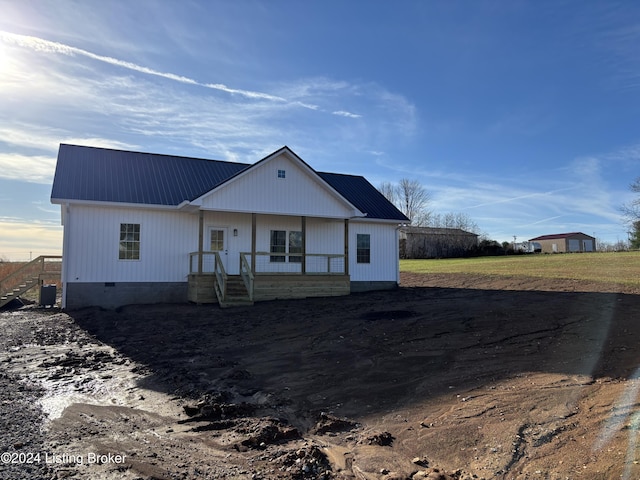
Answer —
(261, 191)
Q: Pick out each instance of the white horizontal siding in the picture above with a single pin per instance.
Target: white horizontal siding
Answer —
(166, 238)
(261, 191)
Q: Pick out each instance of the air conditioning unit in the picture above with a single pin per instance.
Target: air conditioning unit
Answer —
(47, 295)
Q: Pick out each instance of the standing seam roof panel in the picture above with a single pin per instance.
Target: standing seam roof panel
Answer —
(99, 174)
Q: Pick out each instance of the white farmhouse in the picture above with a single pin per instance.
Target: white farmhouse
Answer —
(148, 228)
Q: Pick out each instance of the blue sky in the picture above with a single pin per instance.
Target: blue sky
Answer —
(522, 115)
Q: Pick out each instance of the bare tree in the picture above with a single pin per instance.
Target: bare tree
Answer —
(389, 190)
(632, 210)
(454, 220)
(634, 235)
(410, 197)
(413, 200)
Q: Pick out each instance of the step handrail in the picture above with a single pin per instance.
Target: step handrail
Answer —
(220, 284)
(246, 274)
(41, 259)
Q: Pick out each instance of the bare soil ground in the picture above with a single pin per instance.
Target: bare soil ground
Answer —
(450, 376)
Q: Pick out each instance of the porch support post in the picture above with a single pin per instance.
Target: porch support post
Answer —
(200, 239)
(253, 243)
(304, 245)
(346, 246)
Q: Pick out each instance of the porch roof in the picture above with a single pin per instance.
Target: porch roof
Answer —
(95, 174)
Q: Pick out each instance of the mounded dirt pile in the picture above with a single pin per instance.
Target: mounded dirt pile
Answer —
(448, 377)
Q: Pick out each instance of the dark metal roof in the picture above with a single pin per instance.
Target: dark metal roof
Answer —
(559, 235)
(364, 196)
(106, 175)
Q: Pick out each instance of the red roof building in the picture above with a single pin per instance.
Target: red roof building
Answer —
(566, 242)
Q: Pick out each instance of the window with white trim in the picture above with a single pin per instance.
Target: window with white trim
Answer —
(278, 244)
(295, 246)
(129, 248)
(363, 248)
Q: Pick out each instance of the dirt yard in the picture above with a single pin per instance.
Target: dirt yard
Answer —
(449, 377)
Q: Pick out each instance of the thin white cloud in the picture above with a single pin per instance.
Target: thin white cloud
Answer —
(626, 157)
(98, 142)
(29, 136)
(81, 98)
(36, 168)
(343, 113)
(616, 36)
(32, 136)
(498, 198)
(46, 46)
(244, 93)
(544, 220)
(55, 211)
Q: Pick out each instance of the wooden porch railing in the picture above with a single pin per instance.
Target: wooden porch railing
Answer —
(29, 275)
(296, 263)
(202, 260)
(210, 263)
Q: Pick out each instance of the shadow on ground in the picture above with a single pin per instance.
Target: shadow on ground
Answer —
(366, 354)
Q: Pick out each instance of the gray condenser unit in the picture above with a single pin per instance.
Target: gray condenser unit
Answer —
(48, 295)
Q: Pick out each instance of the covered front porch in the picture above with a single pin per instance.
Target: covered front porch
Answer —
(285, 259)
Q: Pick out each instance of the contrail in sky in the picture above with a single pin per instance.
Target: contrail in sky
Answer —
(521, 197)
(41, 45)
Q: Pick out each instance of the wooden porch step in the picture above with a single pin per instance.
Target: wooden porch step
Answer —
(236, 303)
(15, 292)
(28, 276)
(236, 294)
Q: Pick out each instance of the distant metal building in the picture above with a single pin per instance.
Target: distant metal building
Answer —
(566, 243)
(430, 242)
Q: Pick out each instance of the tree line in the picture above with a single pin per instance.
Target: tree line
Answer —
(412, 199)
(631, 212)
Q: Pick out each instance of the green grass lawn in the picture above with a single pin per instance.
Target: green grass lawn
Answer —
(621, 267)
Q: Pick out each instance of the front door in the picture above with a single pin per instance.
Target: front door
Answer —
(216, 241)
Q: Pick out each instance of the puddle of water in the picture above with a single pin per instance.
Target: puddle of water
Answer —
(53, 405)
(110, 383)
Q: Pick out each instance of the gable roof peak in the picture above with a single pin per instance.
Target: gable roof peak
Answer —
(110, 175)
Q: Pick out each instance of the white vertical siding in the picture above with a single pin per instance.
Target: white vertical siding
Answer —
(92, 236)
(325, 236)
(261, 191)
(384, 252)
(166, 238)
(235, 244)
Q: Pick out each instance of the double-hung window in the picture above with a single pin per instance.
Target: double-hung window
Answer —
(129, 248)
(279, 243)
(295, 246)
(363, 248)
